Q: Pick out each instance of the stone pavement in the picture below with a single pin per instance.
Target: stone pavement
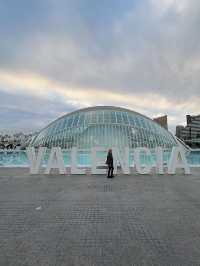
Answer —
(91, 220)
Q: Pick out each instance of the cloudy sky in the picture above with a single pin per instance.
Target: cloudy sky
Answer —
(60, 55)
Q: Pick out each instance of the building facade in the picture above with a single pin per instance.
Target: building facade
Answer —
(190, 134)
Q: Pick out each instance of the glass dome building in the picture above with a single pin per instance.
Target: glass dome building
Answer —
(104, 126)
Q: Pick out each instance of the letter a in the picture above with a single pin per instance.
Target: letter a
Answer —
(178, 160)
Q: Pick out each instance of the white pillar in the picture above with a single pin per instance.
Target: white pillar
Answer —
(35, 160)
(56, 161)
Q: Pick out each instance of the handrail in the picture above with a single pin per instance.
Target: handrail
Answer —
(187, 148)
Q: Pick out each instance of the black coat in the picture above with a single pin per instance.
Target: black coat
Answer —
(109, 160)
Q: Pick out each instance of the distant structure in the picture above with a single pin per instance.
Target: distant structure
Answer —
(15, 141)
(162, 121)
(190, 134)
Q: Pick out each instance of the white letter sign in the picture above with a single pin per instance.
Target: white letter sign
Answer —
(74, 169)
(178, 160)
(123, 160)
(96, 163)
(56, 161)
(145, 169)
(35, 161)
(159, 160)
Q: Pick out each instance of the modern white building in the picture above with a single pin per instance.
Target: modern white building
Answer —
(104, 126)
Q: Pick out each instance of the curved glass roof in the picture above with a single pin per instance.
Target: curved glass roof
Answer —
(104, 126)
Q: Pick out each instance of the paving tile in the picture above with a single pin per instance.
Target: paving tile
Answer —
(90, 220)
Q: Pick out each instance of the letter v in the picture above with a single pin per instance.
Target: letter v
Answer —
(35, 161)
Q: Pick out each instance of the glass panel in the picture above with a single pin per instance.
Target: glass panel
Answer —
(70, 121)
(119, 117)
(113, 117)
(125, 119)
(75, 122)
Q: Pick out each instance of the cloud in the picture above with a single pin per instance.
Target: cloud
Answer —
(163, 6)
(29, 113)
(80, 53)
(52, 99)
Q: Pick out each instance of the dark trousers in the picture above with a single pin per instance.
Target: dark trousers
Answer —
(110, 170)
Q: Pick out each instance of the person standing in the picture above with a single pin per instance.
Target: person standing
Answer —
(109, 162)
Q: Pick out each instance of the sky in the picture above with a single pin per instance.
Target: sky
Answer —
(57, 56)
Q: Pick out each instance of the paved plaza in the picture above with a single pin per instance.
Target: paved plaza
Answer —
(91, 220)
